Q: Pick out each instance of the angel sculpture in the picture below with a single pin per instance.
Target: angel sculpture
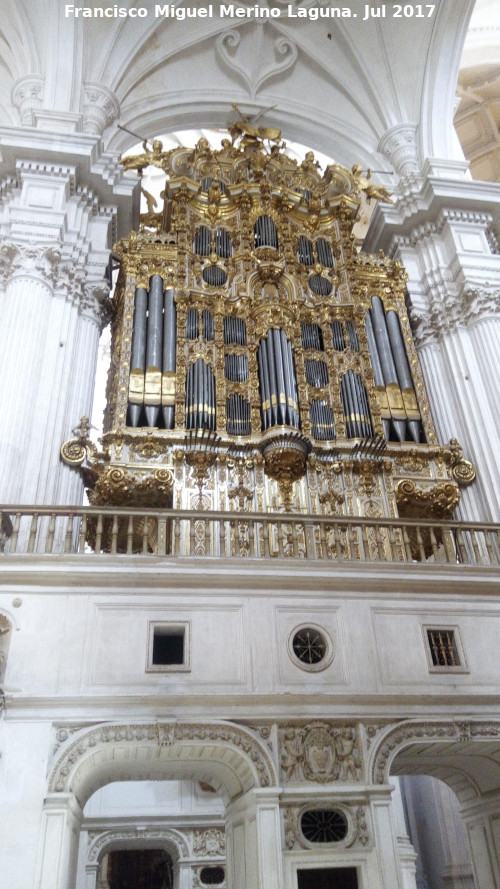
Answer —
(372, 191)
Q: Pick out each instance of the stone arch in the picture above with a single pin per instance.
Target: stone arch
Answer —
(106, 841)
(225, 755)
(465, 755)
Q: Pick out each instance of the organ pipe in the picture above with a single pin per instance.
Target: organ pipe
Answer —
(235, 331)
(200, 396)
(325, 253)
(192, 324)
(388, 366)
(237, 415)
(138, 357)
(338, 336)
(355, 406)
(169, 359)
(153, 381)
(404, 374)
(392, 373)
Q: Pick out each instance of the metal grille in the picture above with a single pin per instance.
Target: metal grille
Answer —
(443, 648)
(309, 646)
(324, 825)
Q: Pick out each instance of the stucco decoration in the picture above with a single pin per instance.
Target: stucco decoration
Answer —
(243, 52)
(320, 752)
(228, 755)
(27, 97)
(209, 842)
(436, 737)
(100, 108)
(100, 843)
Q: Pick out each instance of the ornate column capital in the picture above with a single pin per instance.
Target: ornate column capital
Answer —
(38, 261)
(27, 97)
(100, 108)
(400, 146)
(93, 302)
(444, 316)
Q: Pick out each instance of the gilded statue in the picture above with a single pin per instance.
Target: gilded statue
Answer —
(371, 191)
(156, 158)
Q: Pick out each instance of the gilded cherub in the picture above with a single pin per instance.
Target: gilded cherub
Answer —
(139, 161)
(372, 191)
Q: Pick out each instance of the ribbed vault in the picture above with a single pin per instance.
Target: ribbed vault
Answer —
(337, 85)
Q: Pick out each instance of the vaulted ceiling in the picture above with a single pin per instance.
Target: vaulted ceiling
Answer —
(336, 84)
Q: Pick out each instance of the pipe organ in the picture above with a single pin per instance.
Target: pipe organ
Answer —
(244, 316)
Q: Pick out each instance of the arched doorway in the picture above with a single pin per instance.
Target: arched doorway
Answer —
(139, 869)
(227, 757)
(466, 757)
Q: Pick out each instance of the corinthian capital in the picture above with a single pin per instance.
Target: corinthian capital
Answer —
(32, 260)
(94, 302)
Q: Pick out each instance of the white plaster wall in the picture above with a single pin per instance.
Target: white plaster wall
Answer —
(92, 641)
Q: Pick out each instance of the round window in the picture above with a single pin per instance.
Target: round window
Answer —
(309, 645)
(324, 825)
(212, 876)
(310, 648)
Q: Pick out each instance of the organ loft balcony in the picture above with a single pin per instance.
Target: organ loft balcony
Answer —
(265, 399)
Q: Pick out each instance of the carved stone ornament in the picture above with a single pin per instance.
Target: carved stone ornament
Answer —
(209, 842)
(256, 765)
(100, 108)
(320, 752)
(242, 52)
(399, 144)
(27, 97)
(448, 312)
(31, 260)
(98, 843)
(396, 737)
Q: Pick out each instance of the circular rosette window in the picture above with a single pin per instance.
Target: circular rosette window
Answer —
(310, 647)
(328, 826)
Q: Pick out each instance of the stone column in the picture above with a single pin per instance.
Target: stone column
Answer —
(58, 845)
(51, 316)
(91, 875)
(386, 841)
(440, 229)
(407, 854)
(254, 849)
(482, 822)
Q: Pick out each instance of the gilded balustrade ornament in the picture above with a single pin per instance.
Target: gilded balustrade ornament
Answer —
(244, 313)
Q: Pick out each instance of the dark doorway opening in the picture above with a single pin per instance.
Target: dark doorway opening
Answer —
(140, 869)
(327, 878)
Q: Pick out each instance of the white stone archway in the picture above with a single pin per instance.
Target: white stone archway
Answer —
(229, 757)
(464, 755)
(103, 842)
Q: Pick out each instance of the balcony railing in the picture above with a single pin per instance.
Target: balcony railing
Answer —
(88, 531)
